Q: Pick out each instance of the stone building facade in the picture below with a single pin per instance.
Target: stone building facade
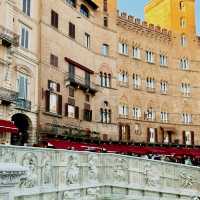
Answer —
(19, 61)
(95, 69)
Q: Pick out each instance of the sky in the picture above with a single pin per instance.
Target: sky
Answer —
(136, 8)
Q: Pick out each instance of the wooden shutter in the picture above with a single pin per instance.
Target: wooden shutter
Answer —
(90, 115)
(47, 101)
(170, 137)
(66, 109)
(59, 105)
(71, 30)
(54, 19)
(156, 135)
(184, 138)
(120, 132)
(49, 83)
(163, 135)
(192, 137)
(128, 130)
(76, 112)
(148, 135)
(58, 87)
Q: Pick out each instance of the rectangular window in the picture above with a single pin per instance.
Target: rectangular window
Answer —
(54, 19)
(105, 49)
(26, 7)
(53, 102)
(71, 2)
(152, 135)
(54, 60)
(71, 111)
(123, 111)
(72, 32)
(25, 32)
(23, 87)
(137, 113)
(87, 115)
(87, 40)
(105, 21)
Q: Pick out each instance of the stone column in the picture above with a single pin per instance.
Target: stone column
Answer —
(10, 175)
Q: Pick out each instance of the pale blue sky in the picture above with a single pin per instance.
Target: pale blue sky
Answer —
(136, 8)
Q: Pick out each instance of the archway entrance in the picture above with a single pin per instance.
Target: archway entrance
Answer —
(23, 123)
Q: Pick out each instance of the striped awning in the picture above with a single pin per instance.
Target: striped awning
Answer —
(7, 126)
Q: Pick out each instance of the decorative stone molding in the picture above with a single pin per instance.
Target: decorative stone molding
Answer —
(72, 173)
(30, 162)
(151, 175)
(93, 169)
(66, 175)
(10, 174)
(120, 169)
(186, 180)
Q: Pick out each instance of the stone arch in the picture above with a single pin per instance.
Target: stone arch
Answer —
(24, 125)
(124, 99)
(105, 68)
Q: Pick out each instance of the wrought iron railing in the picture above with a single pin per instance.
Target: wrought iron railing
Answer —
(23, 104)
(81, 81)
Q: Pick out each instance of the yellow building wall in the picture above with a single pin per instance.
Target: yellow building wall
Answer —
(112, 5)
(167, 14)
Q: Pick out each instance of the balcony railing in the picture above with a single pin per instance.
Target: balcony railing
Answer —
(7, 95)
(8, 37)
(23, 104)
(80, 82)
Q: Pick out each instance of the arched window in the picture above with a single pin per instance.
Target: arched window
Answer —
(183, 40)
(105, 80)
(105, 5)
(105, 113)
(84, 10)
(182, 5)
(182, 22)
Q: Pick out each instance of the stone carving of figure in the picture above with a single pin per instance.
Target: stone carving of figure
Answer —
(7, 155)
(152, 178)
(186, 180)
(120, 168)
(72, 174)
(93, 170)
(47, 173)
(30, 163)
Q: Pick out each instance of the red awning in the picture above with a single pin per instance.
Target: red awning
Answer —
(7, 126)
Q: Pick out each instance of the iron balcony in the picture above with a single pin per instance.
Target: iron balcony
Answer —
(80, 82)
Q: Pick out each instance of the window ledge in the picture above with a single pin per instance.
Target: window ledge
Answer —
(164, 66)
(53, 114)
(126, 55)
(138, 59)
(151, 63)
(136, 88)
(151, 90)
